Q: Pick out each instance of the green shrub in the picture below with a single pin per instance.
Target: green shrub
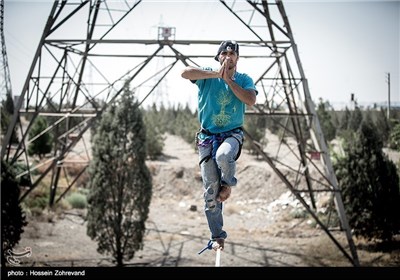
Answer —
(370, 186)
(77, 200)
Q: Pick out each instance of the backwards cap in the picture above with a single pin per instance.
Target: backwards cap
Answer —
(227, 46)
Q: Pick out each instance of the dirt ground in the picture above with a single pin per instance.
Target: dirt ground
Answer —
(262, 230)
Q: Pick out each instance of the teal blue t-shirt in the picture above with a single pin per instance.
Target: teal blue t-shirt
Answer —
(219, 108)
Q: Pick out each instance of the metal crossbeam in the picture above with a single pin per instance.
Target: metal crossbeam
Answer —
(57, 86)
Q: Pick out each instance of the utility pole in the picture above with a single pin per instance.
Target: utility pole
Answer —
(388, 109)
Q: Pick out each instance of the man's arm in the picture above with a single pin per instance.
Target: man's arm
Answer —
(194, 74)
(247, 96)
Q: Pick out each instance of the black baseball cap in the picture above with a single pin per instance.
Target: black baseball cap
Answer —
(227, 46)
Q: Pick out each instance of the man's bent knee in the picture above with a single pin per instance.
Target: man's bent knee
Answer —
(210, 198)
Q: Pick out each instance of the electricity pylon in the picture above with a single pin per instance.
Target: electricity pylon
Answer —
(5, 79)
(56, 87)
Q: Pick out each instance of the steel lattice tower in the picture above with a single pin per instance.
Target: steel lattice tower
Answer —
(5, 80)
(57, 86)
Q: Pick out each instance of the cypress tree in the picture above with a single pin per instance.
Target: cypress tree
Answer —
(154, 136)
(7, 111)
(345, 119)
(383, 126)
(120, 184)
(255, 126)
(355, 120)
(13, 218)
(43, 144)
(325, 119)
(370, 186)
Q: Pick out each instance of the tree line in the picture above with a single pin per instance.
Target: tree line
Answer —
(126, 135)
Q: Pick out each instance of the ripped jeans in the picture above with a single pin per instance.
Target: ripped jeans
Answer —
(217, 172)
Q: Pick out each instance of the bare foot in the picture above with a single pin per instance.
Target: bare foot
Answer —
(224, 193)
(218, 244)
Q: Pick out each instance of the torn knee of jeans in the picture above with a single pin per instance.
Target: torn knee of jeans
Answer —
(211, 207)
(210, 198)
(210, 203)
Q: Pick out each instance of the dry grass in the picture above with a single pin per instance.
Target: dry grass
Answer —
(323, 251)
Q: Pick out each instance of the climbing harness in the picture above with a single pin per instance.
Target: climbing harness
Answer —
(216, 139)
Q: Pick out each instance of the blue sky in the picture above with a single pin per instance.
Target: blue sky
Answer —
(345, 46)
